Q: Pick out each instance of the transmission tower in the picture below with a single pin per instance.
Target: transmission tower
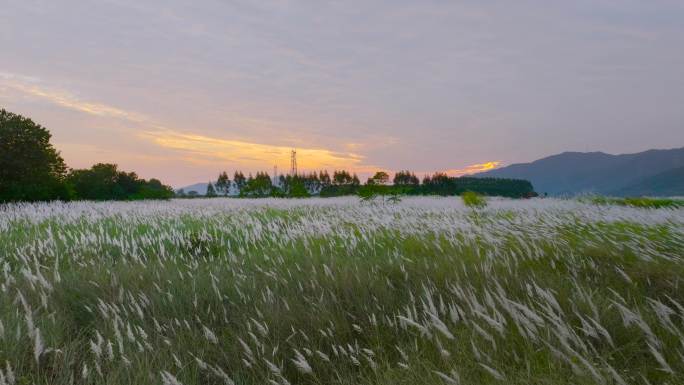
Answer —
(293, 163)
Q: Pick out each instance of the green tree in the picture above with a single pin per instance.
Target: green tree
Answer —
(223, 184)
(210, 191)
(341, 183)
(341, 178)
(297, 188)
(324, 177)
(30, 167)
(312, 184)
(97, 183)
(259, 186)
(239, 179)
(405, 178)
(105, 181)
(380, 178)
(152, 189)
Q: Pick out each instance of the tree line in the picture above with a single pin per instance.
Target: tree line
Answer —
(299, 186)
(31, 169)
(343, 182)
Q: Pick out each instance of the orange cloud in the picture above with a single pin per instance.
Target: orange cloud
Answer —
(474, 168)
(208, 150)
(193, 148)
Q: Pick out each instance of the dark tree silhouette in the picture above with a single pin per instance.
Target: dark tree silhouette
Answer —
(342, 183)
(239, 179)
(342, 178)
(324, 178)
(380, 178)
(259, 186)
(405, 178)
(30, 168)
(105, 181)
(210, 191)
(223, 184)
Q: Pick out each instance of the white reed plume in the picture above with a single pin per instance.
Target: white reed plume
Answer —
(452, 379)
(301, 363)
(38, 347)
(209, 335)
(169, 379)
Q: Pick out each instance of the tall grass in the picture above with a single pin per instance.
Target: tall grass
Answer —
(338, 292)
(642, 202)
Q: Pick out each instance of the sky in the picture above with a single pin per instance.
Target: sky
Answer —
(181, 90)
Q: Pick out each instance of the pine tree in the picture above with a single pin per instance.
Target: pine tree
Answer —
(210, 191)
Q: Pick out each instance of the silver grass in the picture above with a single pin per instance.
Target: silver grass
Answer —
(301, 363)
(448, 379)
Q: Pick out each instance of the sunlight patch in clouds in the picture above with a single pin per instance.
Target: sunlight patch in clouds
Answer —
(204, 149)
(474, 168)
(191, 148)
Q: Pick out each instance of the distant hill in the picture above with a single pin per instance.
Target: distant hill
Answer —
(573, 173)
(668, 183)
(200, 188)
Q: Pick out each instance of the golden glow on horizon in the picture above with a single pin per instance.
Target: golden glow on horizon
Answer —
(204, 149)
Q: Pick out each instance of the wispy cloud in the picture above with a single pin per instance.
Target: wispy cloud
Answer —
(190, 147)
(207, 151)
(31, 87)
(12, 76)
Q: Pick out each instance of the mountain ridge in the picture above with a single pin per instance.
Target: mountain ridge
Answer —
(573, 172)
(199, 188)
(668, 183)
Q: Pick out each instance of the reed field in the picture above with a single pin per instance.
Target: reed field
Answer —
(337, 291)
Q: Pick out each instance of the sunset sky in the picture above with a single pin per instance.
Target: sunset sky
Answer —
(180, 90)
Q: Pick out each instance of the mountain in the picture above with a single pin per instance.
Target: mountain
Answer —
(668, 183)
(572, 173)
(200, 188)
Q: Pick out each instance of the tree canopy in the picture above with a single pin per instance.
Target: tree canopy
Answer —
(344, 182)
(259, 186)
(405, 178)
(31, 169)
(380, 178)
(210, 191)
(105, 181)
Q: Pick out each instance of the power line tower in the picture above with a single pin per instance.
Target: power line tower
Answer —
(293, 163)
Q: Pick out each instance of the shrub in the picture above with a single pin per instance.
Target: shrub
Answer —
(474, 200)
